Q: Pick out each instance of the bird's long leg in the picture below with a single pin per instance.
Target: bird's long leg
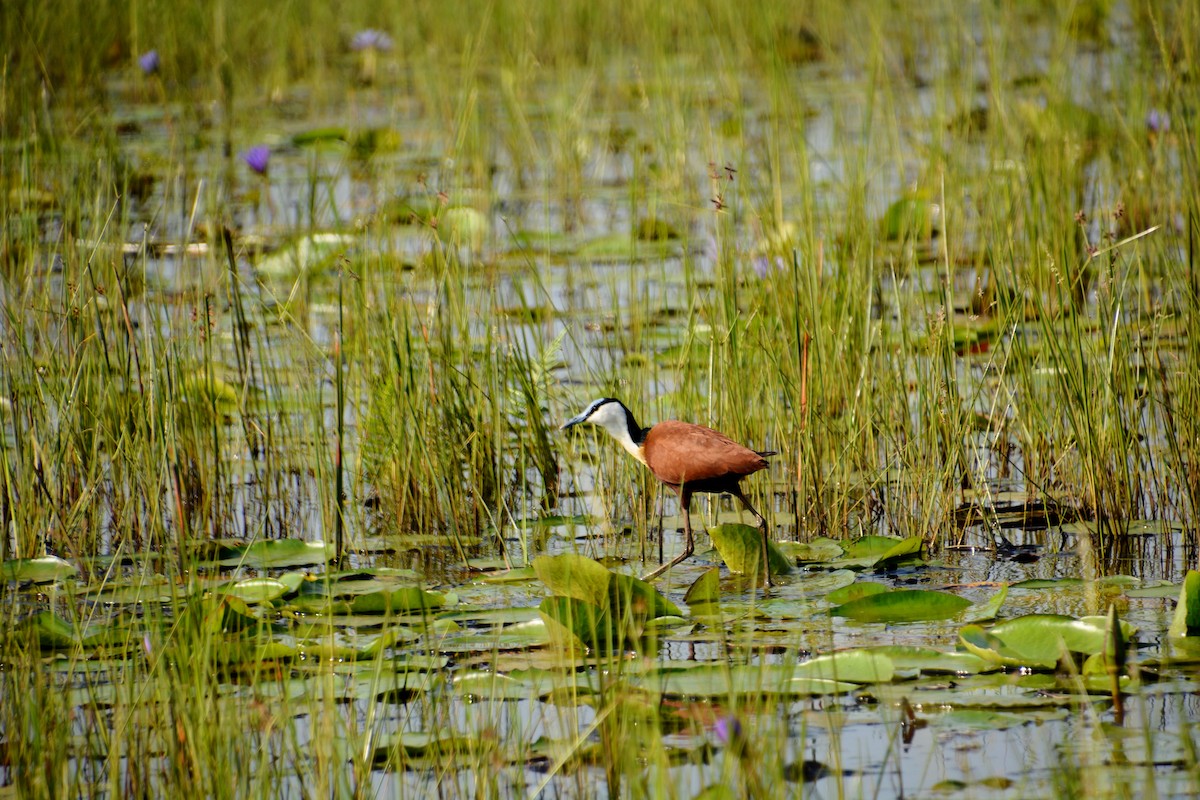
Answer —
(685, 500)
(762, 527)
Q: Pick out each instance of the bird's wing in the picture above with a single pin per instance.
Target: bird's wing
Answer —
(679, 452)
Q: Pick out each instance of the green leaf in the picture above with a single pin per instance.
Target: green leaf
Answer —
(910, 547)
(740, 547)
(256, 590)
(851, 666)
(574, 624)
(37, 570)
(1038, 640)
(1186, 621)
(571, 575)
(705, 589)
(867, 546)
(710, 680)
(267, 553)
(929, 660)
(1047, 583)
(903, 605)
(818, 550)
(855, 591)
(986, 612)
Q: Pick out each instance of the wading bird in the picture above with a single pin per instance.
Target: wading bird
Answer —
(688, 458)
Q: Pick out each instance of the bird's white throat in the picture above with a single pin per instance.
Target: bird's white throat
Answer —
(617, 420)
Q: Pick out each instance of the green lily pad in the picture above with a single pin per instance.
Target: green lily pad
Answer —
(818, 550)
(47, 569)
(705, 589)
(256, 590)
(268, 553)
(856, 591)
(571, 575)
(987, 611)
(576, 625)
(1038, 640)
(309, 253)
(740, 547)
(978, 719)
(929, 660)
(723, 681)
(1047, 583)
(850, 666)
(903, 605)
(1186, 621)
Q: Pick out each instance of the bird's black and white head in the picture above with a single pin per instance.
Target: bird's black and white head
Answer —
(612, 415)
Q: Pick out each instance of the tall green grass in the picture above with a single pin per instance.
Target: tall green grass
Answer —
(151, 410)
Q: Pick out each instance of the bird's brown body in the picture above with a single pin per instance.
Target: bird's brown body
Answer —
(703, 460)
(688, 458)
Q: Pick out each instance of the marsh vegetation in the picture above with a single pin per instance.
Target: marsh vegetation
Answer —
(295, 298)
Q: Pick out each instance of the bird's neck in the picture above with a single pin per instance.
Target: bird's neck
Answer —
(629, 435)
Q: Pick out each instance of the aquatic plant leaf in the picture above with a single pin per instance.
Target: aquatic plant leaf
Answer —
(572, 575)
(1186, 621)
(490, 686)
(902, 605)
(818, 550)
(307, 254)
(855, 591)
(517, 575)
(850, 666)
(1162, 589)
(639, 596)
(1038, 640)
(46, 569)
(1046, 583)
(463, 226)
(978, 719)
(320, 136)
(577, 625)
(705, 589)
(50, 631)
(817, 584)
(930, 660)
(870, 545)
(740, 547)
(910, 547)
(256, 590)
(405, 599)
(722, 681)
(267, 553)
(989, 610)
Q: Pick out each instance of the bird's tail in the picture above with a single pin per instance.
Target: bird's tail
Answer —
(767, 453)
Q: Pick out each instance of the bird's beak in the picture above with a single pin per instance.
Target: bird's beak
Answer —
(572, 421)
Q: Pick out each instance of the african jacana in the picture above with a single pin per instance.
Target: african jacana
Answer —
(688, 458)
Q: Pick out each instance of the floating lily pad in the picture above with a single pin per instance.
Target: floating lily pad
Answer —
(724, 681)
(256, 590)
(307, 254)
(929, 660)
(46, 569)
(740, 547)
(278, 553)
(571, 575)
(1186, 621)
(903, 605)
(1038, 640)
(705, 589)
(855, 591)
(850, 666)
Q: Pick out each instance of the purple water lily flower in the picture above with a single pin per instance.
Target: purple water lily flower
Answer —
(371, 39)
(1158, 121)
(728, 731)
(149, 62)
(258, 158)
